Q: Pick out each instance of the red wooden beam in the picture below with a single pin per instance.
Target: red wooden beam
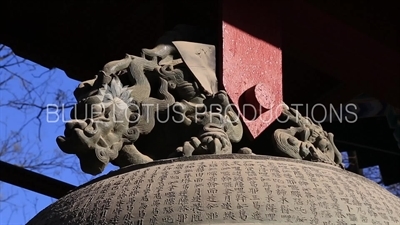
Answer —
(252, 66)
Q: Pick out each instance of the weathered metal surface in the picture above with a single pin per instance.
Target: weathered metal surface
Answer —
(252, 67)
(226, 189)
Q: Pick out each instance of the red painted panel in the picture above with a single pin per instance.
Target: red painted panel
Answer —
(252, 67)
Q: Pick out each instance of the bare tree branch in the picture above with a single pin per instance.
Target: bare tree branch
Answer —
(28, 91)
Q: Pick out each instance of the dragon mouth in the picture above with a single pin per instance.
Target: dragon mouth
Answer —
(89, 128)
(93, 156)
(79, 137)
(83, 130)
(72, 145)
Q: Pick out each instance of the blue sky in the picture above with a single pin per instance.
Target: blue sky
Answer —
(25, 204)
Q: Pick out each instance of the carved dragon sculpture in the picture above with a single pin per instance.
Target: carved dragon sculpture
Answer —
(306, 140)
(109, 117)
(198, 99)
(116, 107)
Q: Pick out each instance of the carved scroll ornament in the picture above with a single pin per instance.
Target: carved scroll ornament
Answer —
(306, 140)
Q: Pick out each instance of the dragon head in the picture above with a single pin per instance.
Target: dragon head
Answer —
(100, 125)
